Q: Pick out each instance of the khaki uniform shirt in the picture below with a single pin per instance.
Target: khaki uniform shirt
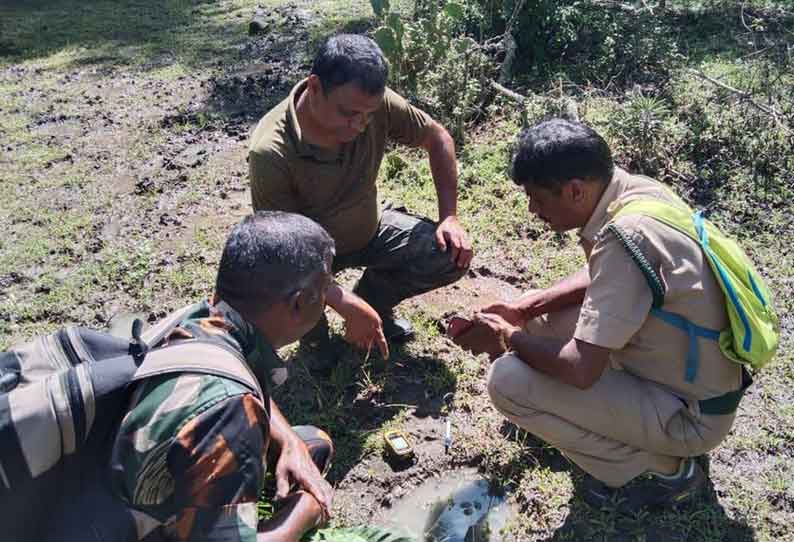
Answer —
(335, 188)
(615, 310)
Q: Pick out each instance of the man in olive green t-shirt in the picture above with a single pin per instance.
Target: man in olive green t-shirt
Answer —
(318, 153)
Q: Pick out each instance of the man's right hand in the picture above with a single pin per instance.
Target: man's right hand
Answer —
(363, 325)
(295, 465)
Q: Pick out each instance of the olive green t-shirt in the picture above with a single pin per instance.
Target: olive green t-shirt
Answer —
(335, 188)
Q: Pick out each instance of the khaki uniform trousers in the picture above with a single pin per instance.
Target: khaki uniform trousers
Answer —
(619, 428)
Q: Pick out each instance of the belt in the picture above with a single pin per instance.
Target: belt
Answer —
(727, 403)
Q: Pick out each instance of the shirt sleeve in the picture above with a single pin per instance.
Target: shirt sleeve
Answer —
(196, 465)
(408, 125)
(271, 182)
(618, 300)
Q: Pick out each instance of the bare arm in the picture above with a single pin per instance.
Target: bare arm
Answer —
(298, 513)
(450, 234)
(294, 463)
(363, 326)
(569, 291)
(574, 362)
(440, 149)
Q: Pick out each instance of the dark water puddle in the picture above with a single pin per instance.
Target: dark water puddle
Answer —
(457, 507)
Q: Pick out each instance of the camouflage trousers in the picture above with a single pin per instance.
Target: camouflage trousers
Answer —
(402, 260)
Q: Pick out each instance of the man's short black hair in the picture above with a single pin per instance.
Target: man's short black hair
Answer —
(269, 256)
(555, 151)
(351, 57)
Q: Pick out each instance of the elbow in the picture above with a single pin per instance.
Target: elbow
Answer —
(584, 378)
(447, 141)
(586, 364)
(583, 383)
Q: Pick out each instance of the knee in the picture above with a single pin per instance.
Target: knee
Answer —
(439, 265)
(321, 447)
(428, 259)
(502, 388)
(452, 273)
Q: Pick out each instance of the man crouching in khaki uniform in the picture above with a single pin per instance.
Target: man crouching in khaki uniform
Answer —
(589, 370)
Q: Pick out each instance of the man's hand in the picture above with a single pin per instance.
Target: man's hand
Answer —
(295, 465)
(363, 326)
(509, 312)
(451, 237)
(500, 328)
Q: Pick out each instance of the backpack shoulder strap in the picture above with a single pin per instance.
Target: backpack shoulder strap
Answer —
(161, 329)
(678, 217)
(692, 330)
(199, 356)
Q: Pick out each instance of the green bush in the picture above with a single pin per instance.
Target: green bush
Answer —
(435, 62)
(648, 134)
(360, 534)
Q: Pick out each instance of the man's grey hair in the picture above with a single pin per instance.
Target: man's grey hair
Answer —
(347, 58)
(269, 256)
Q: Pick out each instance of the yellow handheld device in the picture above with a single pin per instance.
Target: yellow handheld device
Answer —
(397, 444)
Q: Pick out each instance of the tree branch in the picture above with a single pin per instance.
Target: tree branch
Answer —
(504, 91)
(747, 96)
(510, 46)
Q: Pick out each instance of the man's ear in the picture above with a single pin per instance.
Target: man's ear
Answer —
(296, 302)
(314, 85)
(575, 190)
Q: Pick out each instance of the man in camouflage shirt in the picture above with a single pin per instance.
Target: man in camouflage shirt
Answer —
(189, 459)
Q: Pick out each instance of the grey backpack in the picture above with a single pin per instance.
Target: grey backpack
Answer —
(61, 399)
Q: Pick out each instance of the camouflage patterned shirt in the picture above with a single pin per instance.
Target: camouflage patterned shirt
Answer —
(189, 456)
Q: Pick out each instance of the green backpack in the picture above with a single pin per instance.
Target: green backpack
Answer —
(753, 334)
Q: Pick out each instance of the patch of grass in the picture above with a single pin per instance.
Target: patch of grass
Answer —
(38, 155)
(170, 72)
(51, 233)
(111, 34)
(492, 208)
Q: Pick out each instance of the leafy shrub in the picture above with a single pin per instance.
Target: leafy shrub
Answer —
(435, 62)
(445, 55)
(609, 46)
(360, 534)
(648, 134)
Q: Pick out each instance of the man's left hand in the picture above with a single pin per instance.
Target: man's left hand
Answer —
(498, 326)
(451, 237)
(295, 465)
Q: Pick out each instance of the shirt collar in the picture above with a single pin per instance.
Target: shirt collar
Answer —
(258, 352)
(600, 216)
(292, 118)
(303, 147)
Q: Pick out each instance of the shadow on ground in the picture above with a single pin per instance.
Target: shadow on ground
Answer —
(356, 400)
(104, 33)
(704, 519)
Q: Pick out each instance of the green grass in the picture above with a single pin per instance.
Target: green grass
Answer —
(109, 33)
